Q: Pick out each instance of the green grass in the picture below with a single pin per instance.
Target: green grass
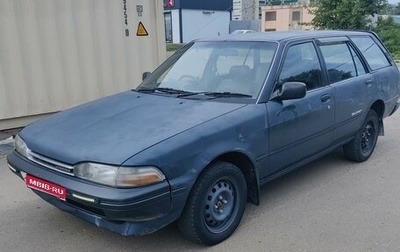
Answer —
(173, 47)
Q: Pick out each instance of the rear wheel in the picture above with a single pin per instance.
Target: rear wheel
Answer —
(216, 204)
(362, 146)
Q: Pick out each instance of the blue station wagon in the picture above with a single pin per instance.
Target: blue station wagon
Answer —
(217, 120)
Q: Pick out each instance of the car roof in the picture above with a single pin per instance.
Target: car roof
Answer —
(282, 36)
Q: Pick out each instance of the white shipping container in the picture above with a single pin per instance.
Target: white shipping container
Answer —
(55, 54)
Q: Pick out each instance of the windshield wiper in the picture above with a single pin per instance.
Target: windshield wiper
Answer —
(216, 94)
(164, 90)
(183, 93)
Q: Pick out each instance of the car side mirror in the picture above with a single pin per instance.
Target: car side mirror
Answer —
(145, 75)
(290, 91)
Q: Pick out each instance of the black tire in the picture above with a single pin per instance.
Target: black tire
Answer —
(362, 146)
(215, 205)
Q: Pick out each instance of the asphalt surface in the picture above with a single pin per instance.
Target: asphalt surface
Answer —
(329, 205)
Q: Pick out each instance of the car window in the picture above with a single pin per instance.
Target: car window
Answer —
(359, 65)
(215, 67)
(245, 71)
(192, 63)
(301, 64)
(339, 61)
(371, 51)
(243, 56)
(266, 56)
(357, 61)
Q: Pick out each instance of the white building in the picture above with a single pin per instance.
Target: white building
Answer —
(245, 9)
(186, 20)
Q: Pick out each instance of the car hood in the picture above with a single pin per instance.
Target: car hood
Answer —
(113, 129)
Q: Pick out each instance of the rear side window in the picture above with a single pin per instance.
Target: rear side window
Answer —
(371, 52)
(301, 64)
(341, 62)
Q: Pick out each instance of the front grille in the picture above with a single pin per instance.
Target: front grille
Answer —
(51, 164)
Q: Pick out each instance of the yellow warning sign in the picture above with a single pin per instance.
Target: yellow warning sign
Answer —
(141, 31)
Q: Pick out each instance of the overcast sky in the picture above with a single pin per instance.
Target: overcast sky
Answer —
(394, 1)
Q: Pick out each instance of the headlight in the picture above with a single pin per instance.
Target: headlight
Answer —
(119, 176)
(21, 147)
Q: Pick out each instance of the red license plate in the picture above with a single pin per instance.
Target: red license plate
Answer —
(46, 187)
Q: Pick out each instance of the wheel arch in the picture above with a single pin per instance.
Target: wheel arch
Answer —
(379, 107)
(250, 173)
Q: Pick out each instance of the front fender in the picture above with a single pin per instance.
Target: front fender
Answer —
(183, 157)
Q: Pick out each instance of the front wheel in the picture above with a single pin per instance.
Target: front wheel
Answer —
(362, 146)
(215, 205)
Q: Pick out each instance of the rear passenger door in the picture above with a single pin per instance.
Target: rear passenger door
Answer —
(302, 127)
(383, 70)
(352, 85)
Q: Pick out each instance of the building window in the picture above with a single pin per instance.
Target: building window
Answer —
(168, 26)
(270, 30)
(270, 16)
(296, 16)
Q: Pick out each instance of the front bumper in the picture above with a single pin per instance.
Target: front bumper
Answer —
(131, 211)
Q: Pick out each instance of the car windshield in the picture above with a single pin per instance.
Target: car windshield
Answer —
(231, 69)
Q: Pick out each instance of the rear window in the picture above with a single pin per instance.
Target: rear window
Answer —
(371, 52)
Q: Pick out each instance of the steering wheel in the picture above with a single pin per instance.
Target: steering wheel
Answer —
(194, 82)
(190, 78)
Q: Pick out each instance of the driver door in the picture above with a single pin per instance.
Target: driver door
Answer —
(302, 127)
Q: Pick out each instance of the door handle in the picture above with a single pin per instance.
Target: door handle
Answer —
(325, 98)
(368, 83)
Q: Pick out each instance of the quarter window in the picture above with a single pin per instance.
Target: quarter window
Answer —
(301, 64)
(371, 51)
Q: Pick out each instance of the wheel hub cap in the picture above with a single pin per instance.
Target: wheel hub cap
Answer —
(219, 203)
(366, 137)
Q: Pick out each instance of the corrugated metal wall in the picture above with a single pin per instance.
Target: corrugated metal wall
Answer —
(55, 54)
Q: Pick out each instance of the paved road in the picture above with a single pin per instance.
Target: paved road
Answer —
(329, 205)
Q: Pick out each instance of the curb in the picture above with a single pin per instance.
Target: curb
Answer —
(9, 140)
(6, 146)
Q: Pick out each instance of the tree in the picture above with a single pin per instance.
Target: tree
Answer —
(397, 9)
(388, 30)
(392, 9)
(344, 14)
